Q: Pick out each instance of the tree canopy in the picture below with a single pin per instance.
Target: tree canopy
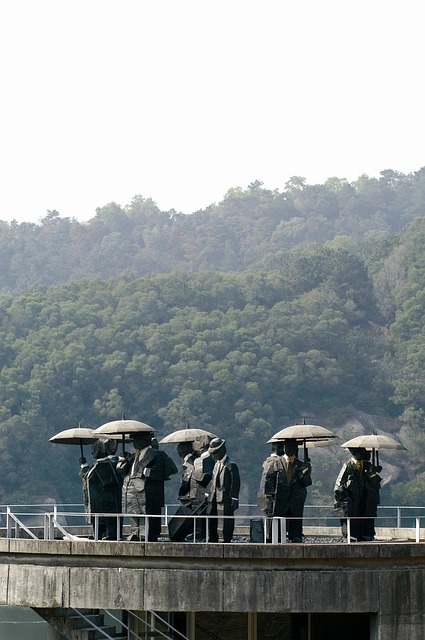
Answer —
(241, 319)
(248, 226)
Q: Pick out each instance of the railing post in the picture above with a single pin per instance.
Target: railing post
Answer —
(8, 523)
(418, 529)
(398, 517)
(275, 530)
(96, 526)
(283, 530)
(278, 527)
(46, 526)
(51, 527)
(348, 531)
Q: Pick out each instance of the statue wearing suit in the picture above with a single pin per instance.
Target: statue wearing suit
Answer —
(283, 488)
(223, 496)
(144, 474)
(357, 494)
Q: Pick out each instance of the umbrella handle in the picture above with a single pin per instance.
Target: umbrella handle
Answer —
(377, 458)
(306, 458)
(373, 457)
(123, 444)
(81, 449)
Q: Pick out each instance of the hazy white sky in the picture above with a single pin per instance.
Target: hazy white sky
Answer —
(180, 100)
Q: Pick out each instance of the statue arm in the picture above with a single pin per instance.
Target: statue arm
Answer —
(124, 463)
(160, 468)
(235, 486)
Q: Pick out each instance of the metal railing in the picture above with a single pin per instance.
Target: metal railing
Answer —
(148, 627)
(70, 523)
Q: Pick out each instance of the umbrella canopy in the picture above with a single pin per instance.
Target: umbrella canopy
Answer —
(122, 427)
(373, 441)
(304, 433)
(186, 435)
(81, 435)
(78, 435)
(311, 443)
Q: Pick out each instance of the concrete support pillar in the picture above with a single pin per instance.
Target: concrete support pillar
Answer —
(252, 626)
(400, 626)
(190, 625)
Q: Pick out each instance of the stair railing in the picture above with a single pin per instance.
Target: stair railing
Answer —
(10, 519)
(94, 625)
(207, 632)
(131, 635)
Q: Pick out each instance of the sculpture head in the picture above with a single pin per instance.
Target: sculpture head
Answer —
(358, 453)
(217, 448)
(184, 448)
(278, 448)
(104, 448)
(291, 447)
(141, 439)
(202, 443)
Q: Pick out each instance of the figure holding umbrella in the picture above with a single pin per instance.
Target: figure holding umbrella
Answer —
(285, 478)
(100, 482)
(358, 484)
(191, 447)
(144, 473)
(102, 487)
(197, 466)
(283, 487)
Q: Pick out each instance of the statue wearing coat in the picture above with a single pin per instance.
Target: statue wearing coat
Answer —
(357, 494)
(102, 487)
(144, 474)
(283, 489)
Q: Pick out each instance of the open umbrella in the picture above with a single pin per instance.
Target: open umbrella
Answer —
(186, 435)
(303, 433)
(311, 443)
(79, 435)
(373, 442)
(122, 427)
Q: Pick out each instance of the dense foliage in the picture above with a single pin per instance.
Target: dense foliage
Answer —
(270, 307)
(241, 355)
(247, 226)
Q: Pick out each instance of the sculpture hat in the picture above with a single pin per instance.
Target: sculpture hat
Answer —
(216, 444)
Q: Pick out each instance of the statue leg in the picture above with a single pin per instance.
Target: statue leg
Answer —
(213, 523)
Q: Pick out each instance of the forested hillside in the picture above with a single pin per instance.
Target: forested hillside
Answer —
(248, 226)
(251, 327)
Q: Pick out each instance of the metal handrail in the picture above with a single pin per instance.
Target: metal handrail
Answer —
(207, 632)
(59, 520)
(94, 625)
(278, 524)
(18, 525)
(162, 621)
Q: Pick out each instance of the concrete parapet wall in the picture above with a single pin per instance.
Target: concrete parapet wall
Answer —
(386, 578)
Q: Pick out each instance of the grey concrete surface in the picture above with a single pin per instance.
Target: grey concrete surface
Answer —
(383, 578)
